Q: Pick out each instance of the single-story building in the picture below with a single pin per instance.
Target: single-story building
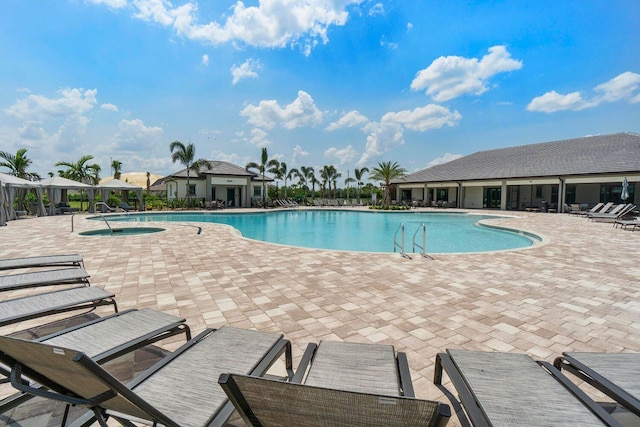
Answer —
(224, 181)
(542, 176)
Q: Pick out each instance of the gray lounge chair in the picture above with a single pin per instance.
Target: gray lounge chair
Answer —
(624, 223)
(618, 213)
(107, 338)
(126, 207)
(73, 260)
(347, 384)
(507, 389)
(41, 305)
(615, 374)
(599, 208)
(179, 390)
(64, 276)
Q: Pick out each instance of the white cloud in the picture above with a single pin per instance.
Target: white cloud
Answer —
(205, 60)
(376, 9)
(424, 118)
(341, 156)
(381, 138)
(625, 86)
(38, 107)
(271, 23)
(109, 107)
(268, 113)
(350, 119)
(444, 159)
(54, 119)
(452, 76)
(388, 44)
(298, 153)
(246, 70)
(133, 135)
(113, 4)
(225, 157)
(409, 26)
(259, 138)
(387, 134)
(620, 87)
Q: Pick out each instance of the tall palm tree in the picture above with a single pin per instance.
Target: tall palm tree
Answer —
(117, 168)
(148, 183)
(17, 165)
(330, 175)
(359, 175)
(325, 175)
(262, 167)
(387, 172)
(81, 171)
(281, 172)
(185, 154)
(313, 180)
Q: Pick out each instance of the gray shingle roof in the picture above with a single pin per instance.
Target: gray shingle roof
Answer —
(217, 168)
(615, 153)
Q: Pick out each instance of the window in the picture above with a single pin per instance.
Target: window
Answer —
(570, 194)
(192, 189)
(538, 191)
(406, 194)
(442, 194)
(613, 193)
(257, 191)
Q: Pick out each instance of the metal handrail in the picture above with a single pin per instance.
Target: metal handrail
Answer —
(395, 241)
(424, 241)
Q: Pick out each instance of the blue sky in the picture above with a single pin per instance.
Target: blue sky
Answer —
(348, 83)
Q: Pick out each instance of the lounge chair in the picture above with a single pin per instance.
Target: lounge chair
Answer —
(64, 276)
(602, 209)
(74, 260)
(40, 305)
(347, 384)
(617, 213)
(615, 374)
(126, 207)
(107, 338)
(65, 208)
(512, 389)
(624, 223)
(179, 390)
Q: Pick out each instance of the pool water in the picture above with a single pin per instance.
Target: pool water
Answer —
(357, 230)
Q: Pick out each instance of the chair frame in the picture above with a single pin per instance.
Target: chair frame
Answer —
(473, 408)
(33, 279)
(71, 260)
(58, 392)
(593, 378)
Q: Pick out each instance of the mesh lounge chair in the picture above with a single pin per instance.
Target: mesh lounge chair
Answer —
(506, 389)
(64, 276)
(107, 338)
(347, 384)
(624, 223)
(73, 260)
(126, 207)
(616, 375)
(179, 390)
(40, 305)
(618, 213)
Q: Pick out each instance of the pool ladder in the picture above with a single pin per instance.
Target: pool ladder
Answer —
(400, 245)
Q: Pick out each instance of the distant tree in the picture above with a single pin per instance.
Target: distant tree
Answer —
(305, 175)
(185, 154)
(262, 167)
(148, 182)
(330, 175)
(387, 172)
(117, 169)
(81, 171)
(18, 165)
(281, 172)
(359, 175)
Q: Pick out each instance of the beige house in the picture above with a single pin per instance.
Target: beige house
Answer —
(226, 182)
(543, 176)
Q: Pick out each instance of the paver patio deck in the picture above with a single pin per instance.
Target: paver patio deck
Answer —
(578, 292)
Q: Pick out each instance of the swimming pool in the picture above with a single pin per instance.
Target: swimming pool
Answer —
(356, 230)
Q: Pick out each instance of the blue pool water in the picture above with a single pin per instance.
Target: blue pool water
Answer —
(356, 230)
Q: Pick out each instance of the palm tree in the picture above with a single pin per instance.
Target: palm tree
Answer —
(330, 175)
(359, 175)
(313, 181)
(325, 175)
(265, 163)
(17, 165)
(117, 168)
(81, 171)
(186, 154)
(387, 172)
(282, 173)
(148, 183)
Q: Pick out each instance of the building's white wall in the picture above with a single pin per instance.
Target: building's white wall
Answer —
(472, 197)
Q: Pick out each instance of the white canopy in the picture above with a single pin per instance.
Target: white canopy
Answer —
(117, 185)
(10, 183)
(56, 184)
